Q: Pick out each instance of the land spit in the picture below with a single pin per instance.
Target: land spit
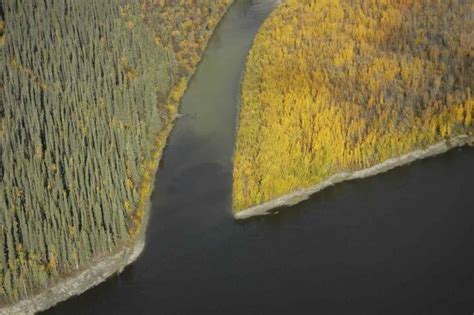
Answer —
(103, 267)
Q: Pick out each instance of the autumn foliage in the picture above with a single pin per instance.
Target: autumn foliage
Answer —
(340, 85)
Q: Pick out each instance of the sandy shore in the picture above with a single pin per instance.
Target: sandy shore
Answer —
(303, 194)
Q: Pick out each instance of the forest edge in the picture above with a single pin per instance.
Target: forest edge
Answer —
(77, 284)
(102, 268)
(300, 195)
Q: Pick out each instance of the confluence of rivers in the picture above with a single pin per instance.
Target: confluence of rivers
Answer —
(398, 243)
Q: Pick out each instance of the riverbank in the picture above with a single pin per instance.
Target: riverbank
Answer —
(303, 194)
(103, 267)
(99, 271)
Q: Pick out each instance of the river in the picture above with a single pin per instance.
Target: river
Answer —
(398, 243)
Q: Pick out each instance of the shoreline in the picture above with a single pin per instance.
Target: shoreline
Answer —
(103, 267)
(99, 271)
(300, 195)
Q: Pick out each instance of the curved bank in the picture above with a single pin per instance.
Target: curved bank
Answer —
(102, 268)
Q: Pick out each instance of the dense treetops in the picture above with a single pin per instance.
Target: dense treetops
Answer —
(87, 87)
(340, 85)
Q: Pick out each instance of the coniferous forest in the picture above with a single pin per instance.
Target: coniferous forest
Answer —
(89, 92)
(342, 85)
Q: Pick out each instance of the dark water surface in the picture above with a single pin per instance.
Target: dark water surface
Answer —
(398, 243)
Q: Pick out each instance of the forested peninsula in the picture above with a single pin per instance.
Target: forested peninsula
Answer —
(90, 90)
(342, 89)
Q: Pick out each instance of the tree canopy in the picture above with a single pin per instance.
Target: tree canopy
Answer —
(89, 90)
(341, 85)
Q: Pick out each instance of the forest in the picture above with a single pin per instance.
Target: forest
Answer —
(342, 85)
(89, 93)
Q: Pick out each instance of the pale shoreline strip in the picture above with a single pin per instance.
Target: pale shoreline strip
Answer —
(303, 194)
(96, 273)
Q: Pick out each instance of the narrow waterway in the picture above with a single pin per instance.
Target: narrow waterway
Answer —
(398, 243)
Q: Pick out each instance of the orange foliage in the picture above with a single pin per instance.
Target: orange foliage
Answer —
(340, 85)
